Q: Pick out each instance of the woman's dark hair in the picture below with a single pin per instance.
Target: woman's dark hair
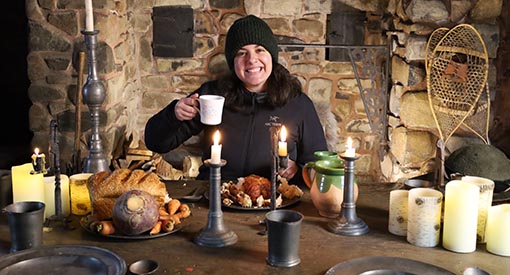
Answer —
(281, 87)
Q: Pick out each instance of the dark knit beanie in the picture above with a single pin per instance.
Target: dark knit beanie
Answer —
(249, 30)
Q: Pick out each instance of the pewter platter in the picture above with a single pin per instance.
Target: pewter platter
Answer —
(380, 265)
(65, 259)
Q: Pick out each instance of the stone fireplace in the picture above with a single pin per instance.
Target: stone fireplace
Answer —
(140, 83)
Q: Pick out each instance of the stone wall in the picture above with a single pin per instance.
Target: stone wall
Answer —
(139, 84)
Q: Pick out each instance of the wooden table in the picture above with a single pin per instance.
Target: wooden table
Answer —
(319, 249)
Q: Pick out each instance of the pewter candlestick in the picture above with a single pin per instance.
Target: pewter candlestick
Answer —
(94, 94)
(348, 223)
(215, 234)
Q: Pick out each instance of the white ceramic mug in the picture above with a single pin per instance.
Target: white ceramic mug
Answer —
(211, 109)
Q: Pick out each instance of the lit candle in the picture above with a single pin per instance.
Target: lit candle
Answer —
(49, 195)
(350, 151)
(89, 16)
(25, 185)
(38, 161)
(216, 149)
(460, 216)
(498, 230)
(282, 144)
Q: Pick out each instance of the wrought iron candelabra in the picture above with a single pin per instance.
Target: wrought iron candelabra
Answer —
(94, 94)
(215, 234)
(348, 223)
(277, 162)
(54, 170)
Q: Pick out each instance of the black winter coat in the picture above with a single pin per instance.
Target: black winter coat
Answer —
(245, 137)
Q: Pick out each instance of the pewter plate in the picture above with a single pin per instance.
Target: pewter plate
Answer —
(380, 265)
(143, 236)
(66, 259)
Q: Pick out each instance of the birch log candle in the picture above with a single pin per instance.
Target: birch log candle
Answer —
(460, 216)
(484, 202)
(397, 222)
(424, 217)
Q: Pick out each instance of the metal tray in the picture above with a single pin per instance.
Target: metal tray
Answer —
(386, 265)
(143, 236)
(65, 259)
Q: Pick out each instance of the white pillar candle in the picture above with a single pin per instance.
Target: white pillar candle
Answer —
(498, 230)
(26, 186)
(424, 217)
(397, 222)
(484, 202)
(282, 144)
(349, 150)
(460, 216)
(89, 16)
(216, 149)
(49, 195)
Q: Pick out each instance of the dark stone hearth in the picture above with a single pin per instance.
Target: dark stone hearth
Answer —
(58, 64)
(42, 39)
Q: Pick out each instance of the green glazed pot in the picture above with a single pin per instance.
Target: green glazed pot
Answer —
(326, 180)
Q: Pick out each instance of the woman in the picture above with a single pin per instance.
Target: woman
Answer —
(259, 89)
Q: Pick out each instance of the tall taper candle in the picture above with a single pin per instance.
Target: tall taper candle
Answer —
(216, 149)
(89, 16)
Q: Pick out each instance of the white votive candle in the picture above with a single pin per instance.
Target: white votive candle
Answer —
(498, 230)
(349, 150)
(460, 216)
(216, 149)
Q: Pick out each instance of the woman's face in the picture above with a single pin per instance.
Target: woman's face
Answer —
(253, 65)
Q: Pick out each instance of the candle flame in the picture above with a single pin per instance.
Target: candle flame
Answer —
(36, 151)
(283, 134)
(349, 143)
(216, 137)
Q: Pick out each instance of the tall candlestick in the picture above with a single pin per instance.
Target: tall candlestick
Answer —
(282, 144)
(26, 186)
(216, 149)
(460, 216)
(349, 150)
(89, 16)
(498, 230)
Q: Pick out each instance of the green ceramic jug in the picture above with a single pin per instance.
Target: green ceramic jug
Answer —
(326, 185)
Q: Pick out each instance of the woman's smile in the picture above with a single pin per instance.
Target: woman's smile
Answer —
(253, 66)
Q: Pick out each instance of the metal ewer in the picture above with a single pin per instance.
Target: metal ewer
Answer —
(215, 234)
(348, 223)
(94, 94)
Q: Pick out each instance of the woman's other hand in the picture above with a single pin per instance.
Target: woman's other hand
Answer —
(187, 108)
(290, 171)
